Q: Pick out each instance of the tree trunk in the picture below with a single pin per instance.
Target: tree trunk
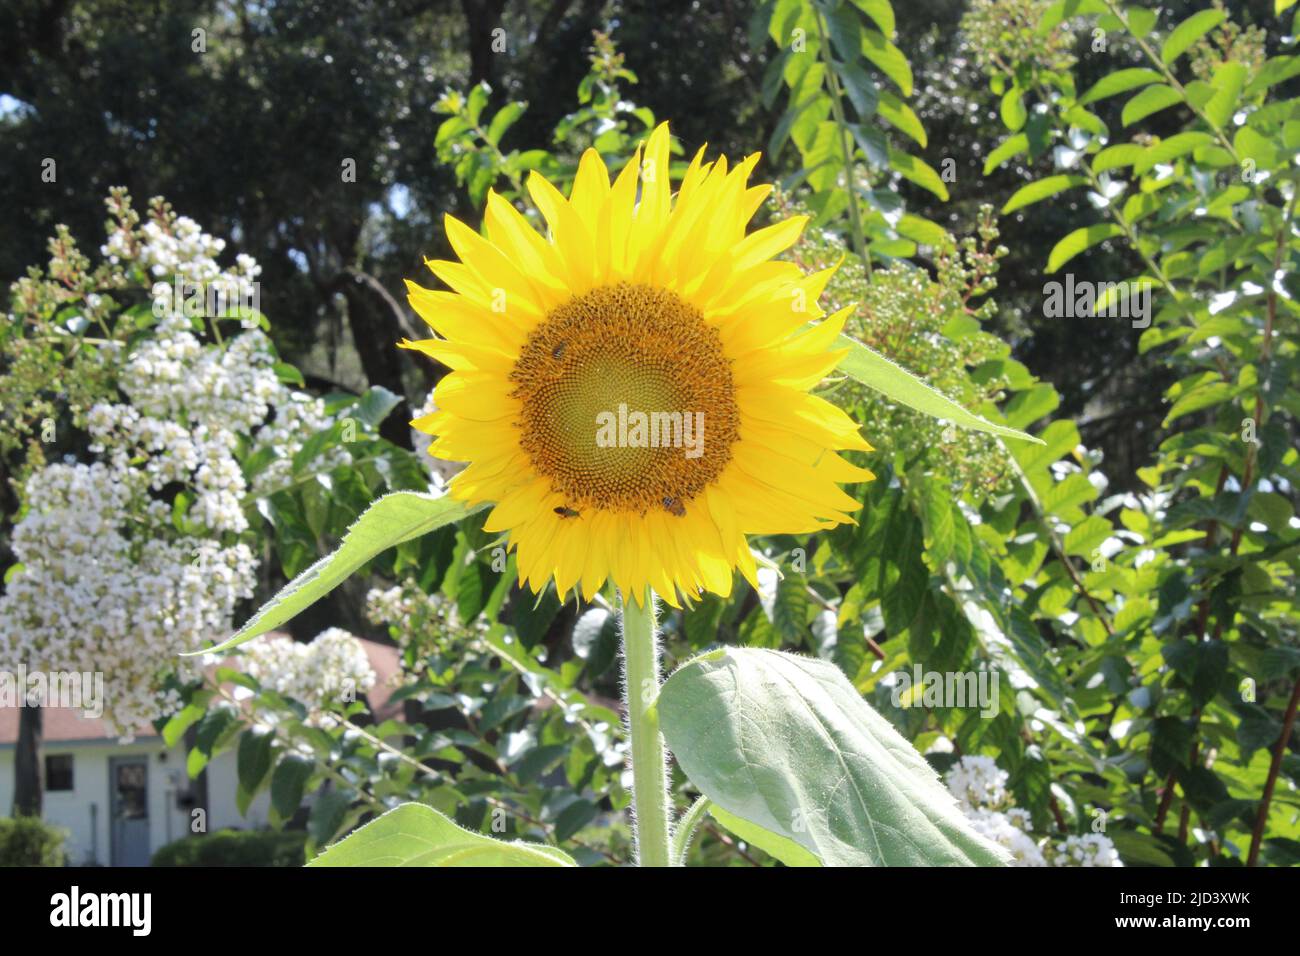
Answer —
(376, 342)
(29, 763)
(482, 17)
(198, 788)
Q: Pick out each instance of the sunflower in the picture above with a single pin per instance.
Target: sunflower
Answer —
(632, 390)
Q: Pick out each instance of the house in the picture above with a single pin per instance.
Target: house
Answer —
(120, 802)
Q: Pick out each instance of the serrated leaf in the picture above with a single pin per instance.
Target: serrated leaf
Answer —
(391, 520)
(416, 835)
(175, 728)
(787, 744)
(375, 405)
(922, 230)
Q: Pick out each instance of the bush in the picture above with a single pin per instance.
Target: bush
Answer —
(30, 841)
(236, 848)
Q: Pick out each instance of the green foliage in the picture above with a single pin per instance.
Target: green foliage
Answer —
(1143, 626)
(829, 51)
(389, 521)
(605, 121)
(787, 744)
(1191, 585)
(30, 841)
(416, 835)
(235, 848)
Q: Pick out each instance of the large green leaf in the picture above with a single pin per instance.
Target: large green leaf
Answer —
(1189, 31)
(416, 835)
(1040, 190)
(773, 844)
(789, 745)
(1079, 241)
(875, 371)
(1011, 146)
(1121, 81)
(1153, 99)
(889, 59)
(389, 521)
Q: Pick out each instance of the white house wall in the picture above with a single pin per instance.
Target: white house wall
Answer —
(72, 809)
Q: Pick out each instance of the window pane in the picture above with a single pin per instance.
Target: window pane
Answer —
(58, 772)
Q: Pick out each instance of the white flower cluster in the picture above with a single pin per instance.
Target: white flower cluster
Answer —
(980, 787)
(389, 605)
(327, 674)
(104, 588)
(1091, 849)
(107, 582)
(176, 385)
(978, 782)
(1009, 831)
(413, 616)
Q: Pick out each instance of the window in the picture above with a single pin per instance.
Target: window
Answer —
(58, 772)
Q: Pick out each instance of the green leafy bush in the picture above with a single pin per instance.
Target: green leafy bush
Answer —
(30, 841)
(236, 848)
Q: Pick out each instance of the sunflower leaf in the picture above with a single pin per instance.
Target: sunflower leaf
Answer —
(787, 744)
(875, 371)
(391, 520)
(773, 844)
(415, 835)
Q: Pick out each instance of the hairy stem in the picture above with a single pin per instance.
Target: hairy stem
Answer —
(649, 758)
(685, 830)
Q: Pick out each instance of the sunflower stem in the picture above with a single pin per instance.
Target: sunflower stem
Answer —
(649, 758)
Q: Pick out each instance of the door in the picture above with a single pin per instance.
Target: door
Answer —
(128, 791)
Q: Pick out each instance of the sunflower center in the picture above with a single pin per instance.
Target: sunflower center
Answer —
(628, 400)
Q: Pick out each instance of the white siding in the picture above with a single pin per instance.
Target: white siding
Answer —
(72, 809)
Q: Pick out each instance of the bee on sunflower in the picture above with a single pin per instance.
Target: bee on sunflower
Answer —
(644, 300)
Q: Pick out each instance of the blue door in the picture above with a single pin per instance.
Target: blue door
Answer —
(128, 786)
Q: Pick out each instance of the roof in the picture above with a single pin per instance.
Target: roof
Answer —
(67, 725)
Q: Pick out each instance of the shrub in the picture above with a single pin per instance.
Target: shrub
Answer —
(236, 848)
(30, 841)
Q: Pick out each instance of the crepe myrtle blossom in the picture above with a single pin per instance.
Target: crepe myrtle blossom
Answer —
(980, 787)
(326, 674)
(105, 587)
(106, 580)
